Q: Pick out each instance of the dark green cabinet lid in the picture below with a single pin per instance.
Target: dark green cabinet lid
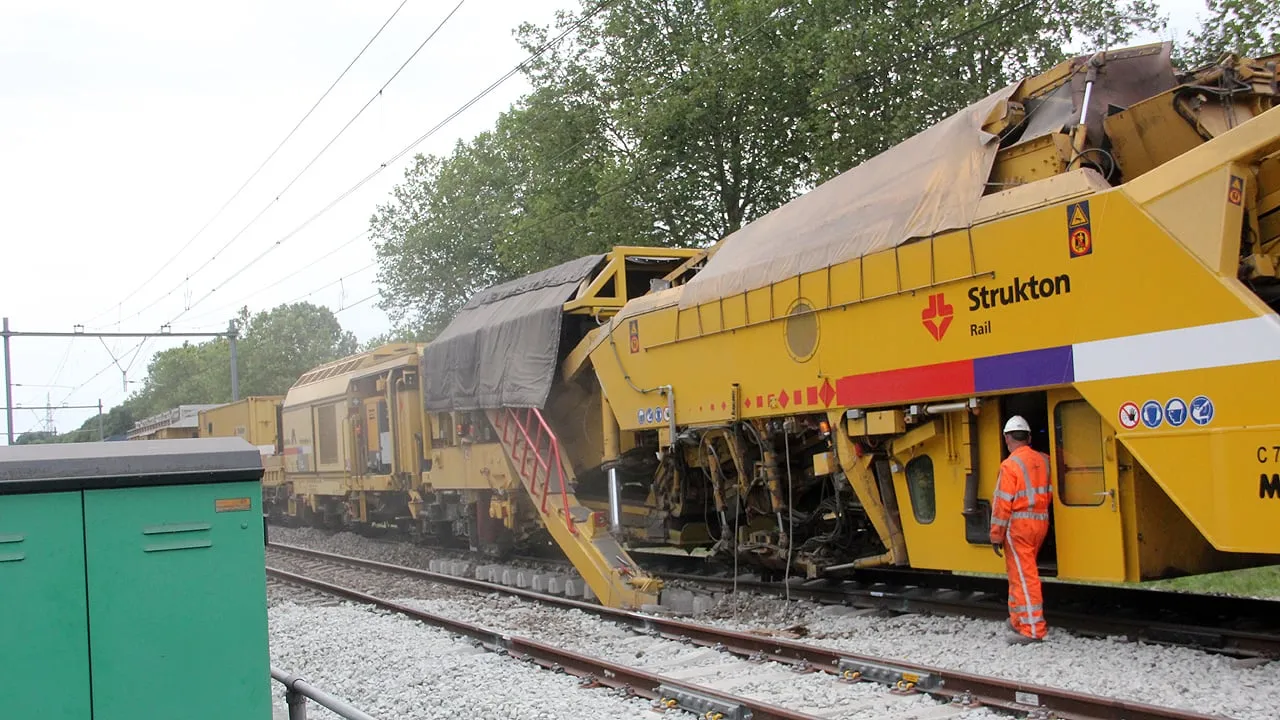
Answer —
(56, 467)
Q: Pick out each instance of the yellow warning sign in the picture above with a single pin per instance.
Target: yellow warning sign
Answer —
(1079, 229)
(1236, 192)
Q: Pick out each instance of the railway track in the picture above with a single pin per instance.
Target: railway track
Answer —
(730, 660)
(1240, 627)
(1237, 627)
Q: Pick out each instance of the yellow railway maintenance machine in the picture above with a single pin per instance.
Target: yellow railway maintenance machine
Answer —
(353, 439)
(257, 420)
(1095, 249)
(514, 436)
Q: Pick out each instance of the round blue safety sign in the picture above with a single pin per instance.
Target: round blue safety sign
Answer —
(1175, 412)
(1152, 413)
(1201, 410)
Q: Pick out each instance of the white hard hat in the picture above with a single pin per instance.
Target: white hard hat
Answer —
(1017, 423)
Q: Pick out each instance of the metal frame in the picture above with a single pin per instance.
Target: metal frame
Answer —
(297, 691)
(230, 334)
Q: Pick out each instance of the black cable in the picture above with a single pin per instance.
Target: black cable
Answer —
(406, 150)
(263, 165)
(280, 194)
(329, 144)
(281, 280)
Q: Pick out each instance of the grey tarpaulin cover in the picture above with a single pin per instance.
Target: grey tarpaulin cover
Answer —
(928, 184)
(502, 348)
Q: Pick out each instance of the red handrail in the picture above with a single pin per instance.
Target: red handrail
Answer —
(542, 432)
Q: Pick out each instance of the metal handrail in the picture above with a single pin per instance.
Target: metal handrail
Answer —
(298, 690)
(511, 417)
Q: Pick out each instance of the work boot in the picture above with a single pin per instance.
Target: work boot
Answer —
(1016, 638)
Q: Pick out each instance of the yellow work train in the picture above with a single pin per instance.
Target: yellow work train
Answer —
(1094, 248)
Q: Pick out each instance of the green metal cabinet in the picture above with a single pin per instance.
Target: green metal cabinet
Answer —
(132, 581)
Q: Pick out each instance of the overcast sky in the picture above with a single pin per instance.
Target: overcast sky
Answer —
(125, 126)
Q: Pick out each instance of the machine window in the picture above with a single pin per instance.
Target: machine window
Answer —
(1080, 467)
(920, 487)
(327, 421)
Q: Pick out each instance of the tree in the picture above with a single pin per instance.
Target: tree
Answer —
(283, 343)
(1249, 28)
(397, 335)
(35, 437)
(276, 348)
(435, 240)
(890, 71)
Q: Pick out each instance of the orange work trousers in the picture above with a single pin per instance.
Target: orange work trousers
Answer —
(1026, 604)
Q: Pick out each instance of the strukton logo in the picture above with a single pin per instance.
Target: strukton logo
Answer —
(937, 317)
(983, 297)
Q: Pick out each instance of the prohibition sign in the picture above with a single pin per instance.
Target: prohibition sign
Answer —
(1081, 241)
(1129, 415)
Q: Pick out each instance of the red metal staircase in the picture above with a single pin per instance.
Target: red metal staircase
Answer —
(535, 455)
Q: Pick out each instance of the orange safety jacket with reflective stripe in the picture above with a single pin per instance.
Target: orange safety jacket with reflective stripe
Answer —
(1023, 491)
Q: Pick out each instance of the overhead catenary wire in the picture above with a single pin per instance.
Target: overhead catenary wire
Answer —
(282, 280)
(361, 301)
(331, 283)
(98, 374)
(404, 151)
(255, 173)
(187, 278)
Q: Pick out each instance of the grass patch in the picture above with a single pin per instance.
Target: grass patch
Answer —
(1261, 582)
(1253, 582)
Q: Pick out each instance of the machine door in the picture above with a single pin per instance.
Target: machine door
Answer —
(44, 653)
(177, 602)
(1086, 498)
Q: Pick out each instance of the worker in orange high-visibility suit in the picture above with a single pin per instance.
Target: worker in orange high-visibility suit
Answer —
(1019, 524)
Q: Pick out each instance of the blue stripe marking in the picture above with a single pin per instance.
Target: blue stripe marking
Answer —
(1033, 368)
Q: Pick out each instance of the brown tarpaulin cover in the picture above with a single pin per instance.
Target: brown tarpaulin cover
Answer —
(502, 348)
(928, 184)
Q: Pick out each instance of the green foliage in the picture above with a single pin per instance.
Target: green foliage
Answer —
(1249, 28)
(398, 335)
(276, 347)
(899, 68)
(117, 421)
(675, 122)
(35, 437)
(282, 343)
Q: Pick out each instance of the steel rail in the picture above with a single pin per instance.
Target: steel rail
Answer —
(1242, 627)
(595, 671)
(955, 686)
(970, 601)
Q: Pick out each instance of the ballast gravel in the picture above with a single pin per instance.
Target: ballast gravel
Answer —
(1167, 676)
(394, 668)
(336, 646)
